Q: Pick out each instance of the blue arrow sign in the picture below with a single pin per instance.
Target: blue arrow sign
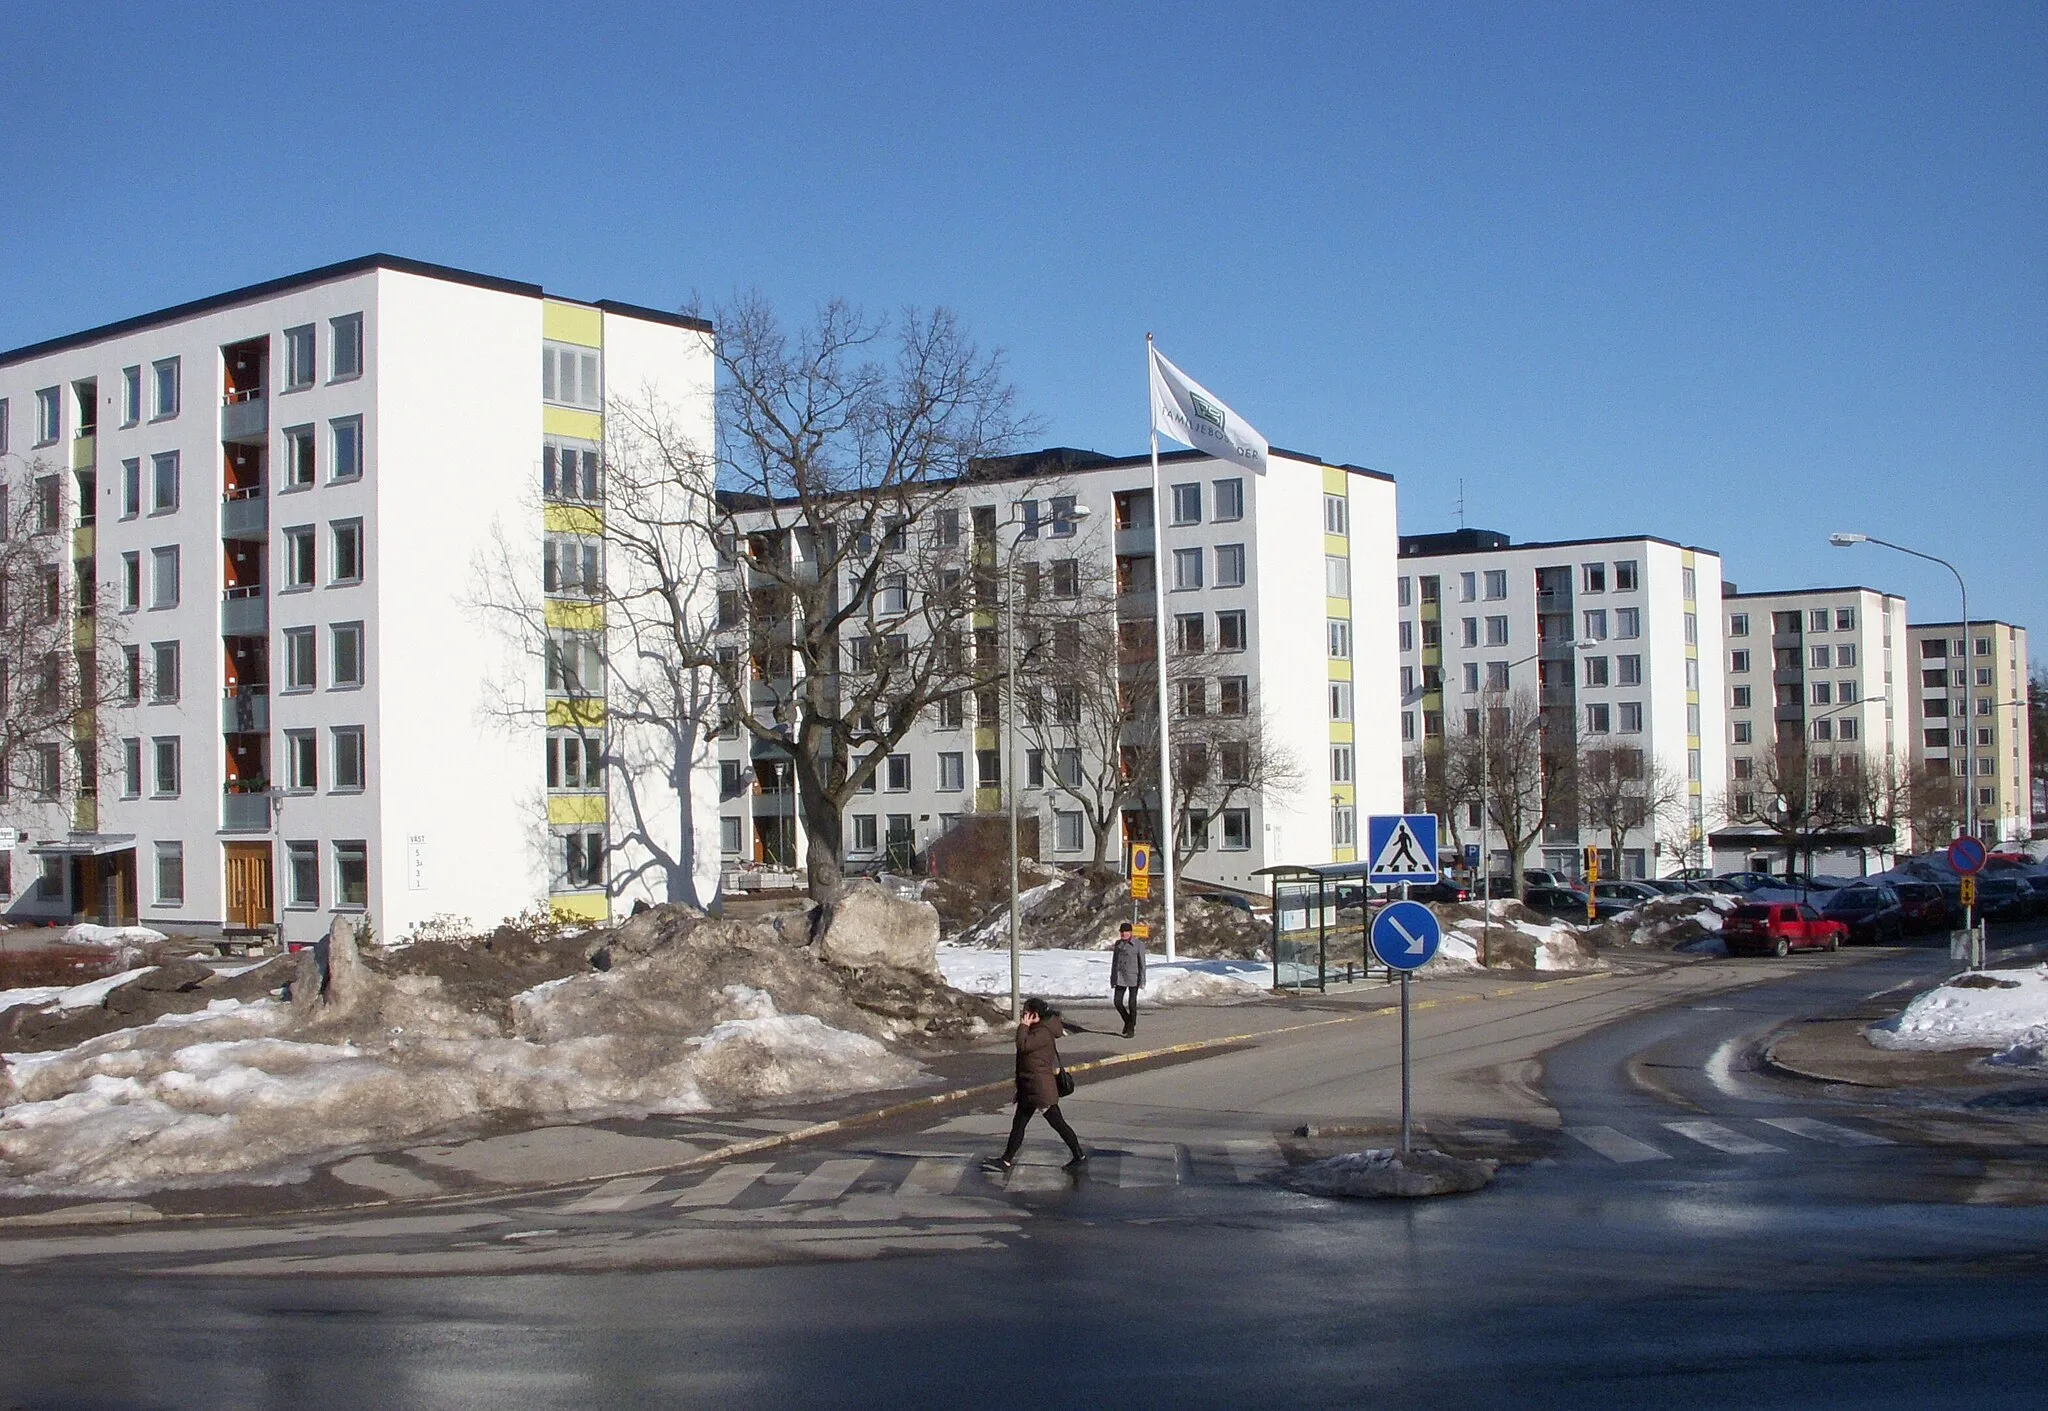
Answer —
(1405, 935)
(1401, 847)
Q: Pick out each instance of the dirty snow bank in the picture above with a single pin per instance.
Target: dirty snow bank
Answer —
(87, 934)
(69, 996)
(1084, 974)
(2006, 1010)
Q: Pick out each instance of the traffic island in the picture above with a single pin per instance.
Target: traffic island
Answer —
(1403, 1174)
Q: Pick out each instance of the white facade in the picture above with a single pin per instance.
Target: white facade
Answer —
(1985, 676)
(1316, 544)
(1479, 615)
(354, 447)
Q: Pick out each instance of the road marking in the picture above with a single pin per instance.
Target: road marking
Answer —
(724, 1184)
(1031, 1176)
(1252, 1160)
(1148, 1164)
(1722, 1138)
(1720, 1072)
(829, 1181)
(1813, 1129)
(1614, 1146)
(612, 1195)
(933, 1175)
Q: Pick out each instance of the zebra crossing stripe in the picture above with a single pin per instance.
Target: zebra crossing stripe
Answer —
(1148, 1164)
(933, 1175)
(1614, 1145)
(1813, 1129)
(724, 1184)
(829, 1181)
(612, 1195)
(1722, 1138)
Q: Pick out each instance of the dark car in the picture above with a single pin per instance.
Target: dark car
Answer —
(1569, 905)
(1922, 908)
(1752, 881)
(1629, 894)
(2005, 898)
(1871, 913)
(1779, 927)
(1671, 886)
(1439, 892)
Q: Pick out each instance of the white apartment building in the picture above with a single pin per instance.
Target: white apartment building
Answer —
(1283, 580)
(289, 497)
(1618, 639)
(1824, 665)
(1969, 704)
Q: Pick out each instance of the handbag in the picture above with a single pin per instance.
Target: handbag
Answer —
(1064, 1082)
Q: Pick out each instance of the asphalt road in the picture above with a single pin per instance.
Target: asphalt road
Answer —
(1698, 1232)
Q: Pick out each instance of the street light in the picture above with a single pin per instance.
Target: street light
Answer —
(1849, 540)
(1079, 511)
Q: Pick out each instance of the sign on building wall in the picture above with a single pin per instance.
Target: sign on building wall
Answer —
(416, 862)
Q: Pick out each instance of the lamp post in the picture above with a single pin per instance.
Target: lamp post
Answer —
(1486, 803)
(1010, 739)
(1806, 783)
(1848, 540)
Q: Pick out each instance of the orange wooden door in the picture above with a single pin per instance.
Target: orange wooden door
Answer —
(248, 885)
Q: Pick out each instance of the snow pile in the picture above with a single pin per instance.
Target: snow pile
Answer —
(69, 996)
(133, 937)
(1084, 974)
(2006, 1010)
(1406, 1174)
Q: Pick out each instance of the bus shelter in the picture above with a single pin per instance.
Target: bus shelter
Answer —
(1321, 916)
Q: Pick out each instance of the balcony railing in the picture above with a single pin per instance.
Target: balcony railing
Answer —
(243, 811)
(244, 514)
(244, 612)
(245, 417)
(245, 711)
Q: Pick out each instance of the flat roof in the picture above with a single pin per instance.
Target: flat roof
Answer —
(1560, 544)
(1801, 592)
(1974, 622)
(1072, 460)
(327, 274)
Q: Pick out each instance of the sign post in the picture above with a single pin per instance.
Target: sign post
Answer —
(1404, 936)
(1592, 883)
(1141, 872)
(1401, 847)
(1967, 855)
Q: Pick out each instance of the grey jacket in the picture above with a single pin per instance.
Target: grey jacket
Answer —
(1127, 963)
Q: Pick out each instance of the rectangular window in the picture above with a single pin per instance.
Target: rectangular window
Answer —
(164, 379)
(988, 768)
(1691, 623)
(1596, 671)
(1738, 624)
(298, 555)
(1187, 632)
(347, 657)
(1066, 830)
(1850, 728)
(898, 774)
(350, 766)
(571, 376)
(163, 680)
(1405, 634)
(1823, 693)
(131, 767)
(1596, 625)
(49, 415)
(1845, 619)
(298, 357)
(302, 760)
(1230, 565)
(569, 471)
(131, 677)
(1340, 700)
(1625, 576)
(3, 426)
(1233, 695)
(952, 772)
(352, 872)
(301, 669)
(1496, 584)
(170, 874)
(1230, 631)
(729, 836)
(163, 483)
(1187, 504)
(1340, 638)
(1468, 587)
(1742, 732)
(345, 356)
(131, 582)
(1817, 620)
(298, 457)
(346, 563)
(131, 487)
(1738, 661)
(570, 567)
(1496, 676)
(1237, 829)
(131, 395)
(1628, 624)
(1597, 718)
(1404, 592)
(1820, 658)
(1845, 654)
(1688, 589)
(1823, 729)
(165, 757)
(1628, 671)
(867, 833)
(1471, 678)
(1631, 717)
(1336, 576)
(1191, 697)
(1496, 631)
(1739, 698)
(1336, 515)
(575, 664)
(1845, 692)
(1229, 500)
(1593, 577)
(1343, 827)
(163, 566)
(302, 873)
(1469, 630)
(346, 435)
(1187, 569)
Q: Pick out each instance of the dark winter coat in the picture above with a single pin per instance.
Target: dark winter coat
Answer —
(1037, 1061)
(1127, 963)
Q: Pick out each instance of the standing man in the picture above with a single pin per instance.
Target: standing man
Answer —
(1126, 977)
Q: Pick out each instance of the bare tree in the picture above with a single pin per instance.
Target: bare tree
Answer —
(1222, 762)
(1622, 789)
(1791, 796)
(1934, 801)
(1521, 771)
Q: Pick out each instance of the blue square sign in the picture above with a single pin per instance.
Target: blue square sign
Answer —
(1400, 847)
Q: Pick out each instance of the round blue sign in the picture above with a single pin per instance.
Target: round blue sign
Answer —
(1966, 855)
(1405, 935)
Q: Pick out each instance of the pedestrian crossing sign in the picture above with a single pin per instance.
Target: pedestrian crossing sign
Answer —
(1401, 847)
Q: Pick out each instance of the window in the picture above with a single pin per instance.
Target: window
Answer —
(165, 758)
(729, 836)
(1845, 619)
(1738, 661)
(347, 436)
(1823, 693)
(163, 483)
(1496, 676)
(1983, 646)
(1340, 700)
(988, 768)
(570, 567)
(49, 507)
(1229, 500)
(1404, 592)
(950, 715)
(1066, 830)
(345, 353)
(952, 772)
(1187, 632)
(298, 457)
(569, 471)
(1336, 576)
(1230, 565)
(1469, 631)
(1237, 829)
(1597, 718)
(164, 381)
(298, 357)
(352, 871)
(1820, 656)
(575, 665)
(1066, 578)
(1340, 639)
(1496, 631)
(1593, 577)
(131, 487)
(1845, 692)
(1628, 624)
(346, 659)
(1496, 584)
(1738, 624)
(1625, 576)
(1405, 634)
(1407, 725)
(1596, 625)
(1187, 504)
(1336, 515)
(1343, 827)
(302, 760)
(1850, 729)
(163, 680)
(170, 874)
(1596, 671)
(1340, 764)
(1688, 589)
(298, 562)
(1742, 732)
(349, 763)
(1823, 729)
(131, 674)
(163, 566)
(1191, 697)
(1740, 698)
(1630, 717)
(131, 582)
(49, 415)
(301, 671)
(867, 834)
(1187, 569)
(1233, 695)
(1817, 620)
(302, 872)
(3, 436)
(1983, 675)
(1468, 587)
(898, 774)
(1230, 631)
(570, 376)
(346, 563)
(1471, 678)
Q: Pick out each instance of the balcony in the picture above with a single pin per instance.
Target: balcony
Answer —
(245, 612)
(85, 449)
(245, 514)
(245, 418)
(245, 711)
(244, 812)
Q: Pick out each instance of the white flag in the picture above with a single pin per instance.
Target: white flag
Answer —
(1183, 409)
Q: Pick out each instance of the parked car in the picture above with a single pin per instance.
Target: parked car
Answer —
(1569, 903)
(1923, 908)
(2004, 898)
(1753, 881)
(1630, 894)
(1671, 886)
(1544, 877)
(1721, 886)
(1439, 892)
(1779, 927)
(1871, 913)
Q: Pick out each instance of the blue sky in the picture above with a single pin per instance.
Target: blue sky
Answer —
(1732, 274)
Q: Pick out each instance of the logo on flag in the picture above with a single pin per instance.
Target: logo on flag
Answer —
(1187, 412)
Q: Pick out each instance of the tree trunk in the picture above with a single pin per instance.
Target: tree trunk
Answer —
(823, 836)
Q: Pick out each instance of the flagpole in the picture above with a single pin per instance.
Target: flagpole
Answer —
(1164, 844)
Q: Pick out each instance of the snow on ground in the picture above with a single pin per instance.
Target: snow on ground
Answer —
(221, 1094)
(87, 934)
(997, 928)
(85, 996)
(2005, 1010)
(1084, 974)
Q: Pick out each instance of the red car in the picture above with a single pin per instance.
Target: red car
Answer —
(1780, 927)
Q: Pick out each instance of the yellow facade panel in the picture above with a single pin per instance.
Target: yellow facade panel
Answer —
(568, 421)
(1340, 669)
(1335, 482)
(584, 906)
(1336, 545)
(85, 451)
(572, 519)
(575, 715)
(1341, 732)
(574, 810)
(1337, 607)
(571, 323)
(575, 617)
